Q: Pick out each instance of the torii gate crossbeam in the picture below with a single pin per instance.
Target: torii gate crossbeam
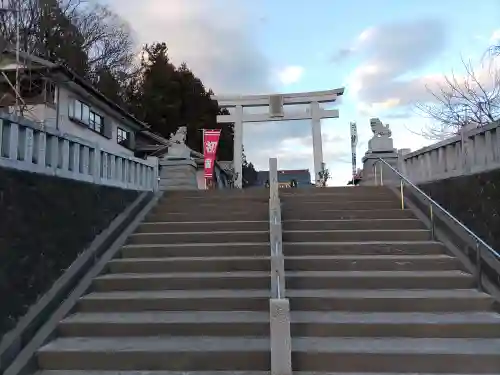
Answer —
(276, 104)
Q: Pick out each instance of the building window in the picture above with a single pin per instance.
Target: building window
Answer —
(82, 113)
(95, 122)
(123, 137)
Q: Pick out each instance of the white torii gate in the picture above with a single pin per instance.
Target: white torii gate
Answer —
(276, 102)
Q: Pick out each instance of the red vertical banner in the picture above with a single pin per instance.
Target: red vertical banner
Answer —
(210, 143)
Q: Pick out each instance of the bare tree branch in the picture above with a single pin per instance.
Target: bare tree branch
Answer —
(107, 38)
(468, 101)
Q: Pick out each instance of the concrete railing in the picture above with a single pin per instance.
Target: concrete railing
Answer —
(279, 306)
(476, 151)
(26, 146)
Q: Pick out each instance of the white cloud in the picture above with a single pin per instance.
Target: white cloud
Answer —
(392, 56)
(216, 40)
(214, 37)
(290, 74)
(495, 36)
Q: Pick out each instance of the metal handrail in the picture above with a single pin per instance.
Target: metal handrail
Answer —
(477, 239)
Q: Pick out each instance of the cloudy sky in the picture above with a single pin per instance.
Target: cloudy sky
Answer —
(385, 53)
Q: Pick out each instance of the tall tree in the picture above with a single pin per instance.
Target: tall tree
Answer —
(47, 27)
(59, 40)
(108, 84)
(167, 97)
(249, 172)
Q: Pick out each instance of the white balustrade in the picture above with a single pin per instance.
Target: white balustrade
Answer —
(26, 146)
(476, 151)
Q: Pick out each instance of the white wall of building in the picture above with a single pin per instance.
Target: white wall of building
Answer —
(47, 115)
(66, 125)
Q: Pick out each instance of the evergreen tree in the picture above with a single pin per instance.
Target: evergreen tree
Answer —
(59, 39)
(166, 97)
(249, 172)
(106, 82)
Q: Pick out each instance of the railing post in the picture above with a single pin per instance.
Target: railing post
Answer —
(13, 140)
(279, 307)
(479, 270)
(401, 191)
(381, 174)
(431, 217)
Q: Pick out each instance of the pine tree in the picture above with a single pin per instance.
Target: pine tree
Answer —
(166, 97)
(59, 40)
(106, 82)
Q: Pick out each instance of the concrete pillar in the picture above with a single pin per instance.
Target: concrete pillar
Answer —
(238, 146)
(316, 138)
(281, 342)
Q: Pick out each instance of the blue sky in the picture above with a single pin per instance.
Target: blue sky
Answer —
(383, 52)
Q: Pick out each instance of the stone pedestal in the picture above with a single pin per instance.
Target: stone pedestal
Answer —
(177, 174)
(381, 144)
(370, 177)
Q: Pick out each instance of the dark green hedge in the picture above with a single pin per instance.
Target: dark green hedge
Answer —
(45, 222)
(474, 200)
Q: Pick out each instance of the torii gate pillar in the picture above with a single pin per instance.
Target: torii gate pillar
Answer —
(276, 103)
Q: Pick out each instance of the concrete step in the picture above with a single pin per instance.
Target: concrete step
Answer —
(198, 237)
(363, 248)
(199, 208)
(303, 323)
(408, 355)
(294, 280)
(217, 194)
(209, 215)
(340, 204)
(357, 190)
(292, 263)
(156, 353)
(202, 226)
(218, 198)
(190, 264)
(356, 224)
(336, 214)
(358, 300)
(186, 323)
(225, 249)
(100, 372)
(330, 280)
(76, 372)
(176, 300)
(228, 249)
(372, 262)
(183, 281)
(328, 197)
(352, 324)
(356, 235)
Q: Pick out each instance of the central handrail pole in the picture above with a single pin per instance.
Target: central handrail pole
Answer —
(279, 306)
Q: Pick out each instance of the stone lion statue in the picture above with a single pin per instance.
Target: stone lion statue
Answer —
(379, 129)
(179, 137)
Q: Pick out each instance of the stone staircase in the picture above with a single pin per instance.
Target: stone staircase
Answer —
(369, 293)
(189, 292)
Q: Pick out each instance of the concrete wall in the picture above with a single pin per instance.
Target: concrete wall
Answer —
(28, 146)
(472, 199)
(477, 151)
(45, 223)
